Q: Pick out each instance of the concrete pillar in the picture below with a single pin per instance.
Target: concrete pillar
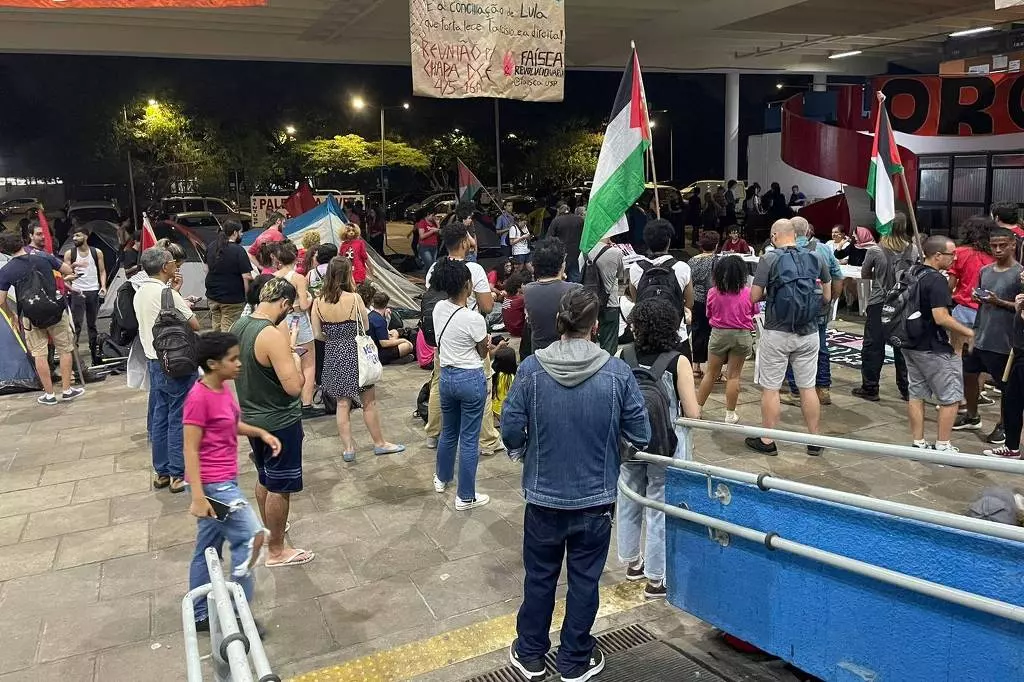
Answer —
(732, 125)
(820, 82)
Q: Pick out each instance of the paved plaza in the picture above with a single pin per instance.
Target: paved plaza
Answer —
(94, 563)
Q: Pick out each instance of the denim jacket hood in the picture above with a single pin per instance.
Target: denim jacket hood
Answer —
(569, 420)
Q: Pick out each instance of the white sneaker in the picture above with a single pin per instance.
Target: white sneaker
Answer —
(948, 449)
(478, 501)
(731, 417)
(431, 443)
(439, 485)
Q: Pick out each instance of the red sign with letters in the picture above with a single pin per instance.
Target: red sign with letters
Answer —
(954, 105)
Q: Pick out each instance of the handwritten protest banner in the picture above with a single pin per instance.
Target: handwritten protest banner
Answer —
(504, 48)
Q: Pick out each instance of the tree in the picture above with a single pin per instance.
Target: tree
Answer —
(567, 157)
(443, 153)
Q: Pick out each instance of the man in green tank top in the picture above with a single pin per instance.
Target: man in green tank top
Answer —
(268, 392)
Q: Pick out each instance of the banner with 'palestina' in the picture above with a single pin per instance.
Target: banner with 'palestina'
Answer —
(506, 48)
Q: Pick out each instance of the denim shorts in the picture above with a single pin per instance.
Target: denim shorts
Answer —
(281, 474)
(965, 315)
(305, 334)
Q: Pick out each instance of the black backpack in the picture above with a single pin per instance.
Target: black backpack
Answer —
(124, 324)
(896, 265)
(592, 276)
(659, 281)
(174, 340)
(656, 399)
(901, 309)
(430, 298)
(38, 298)
(423, 402)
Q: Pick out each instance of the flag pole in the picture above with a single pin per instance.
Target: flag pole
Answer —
(650, 148)
(906, 190)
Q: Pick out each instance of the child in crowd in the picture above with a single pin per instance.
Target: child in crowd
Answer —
(505, 366)
(735, 243)
(513, 310)
(267, 258)
(212, 424)
(392, 344)
(354, 248)
(731, 315)
(519, 237)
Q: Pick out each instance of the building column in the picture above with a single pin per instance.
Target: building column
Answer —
(732, 125)
(819, 82)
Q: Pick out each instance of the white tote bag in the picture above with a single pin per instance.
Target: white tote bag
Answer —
(370, 369)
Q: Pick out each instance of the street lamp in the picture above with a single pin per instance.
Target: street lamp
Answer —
(289, 129)
(358, 103)
(153, 103)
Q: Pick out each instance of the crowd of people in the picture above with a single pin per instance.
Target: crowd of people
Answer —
(565, 359)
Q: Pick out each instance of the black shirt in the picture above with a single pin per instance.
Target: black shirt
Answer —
(934, 293)
(569, 228)
(224, 282)
(20, 267)
(130, 258)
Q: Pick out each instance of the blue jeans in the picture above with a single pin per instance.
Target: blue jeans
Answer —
(427, 255)
(582, 536)
(239, 528)
(167, 398)
(649, 481)
(824, 378)
(463, 398)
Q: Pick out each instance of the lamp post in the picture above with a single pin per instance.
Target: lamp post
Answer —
(131, 171)
(358, 103)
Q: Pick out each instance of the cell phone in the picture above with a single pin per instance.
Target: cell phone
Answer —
(220, 509)
(981, 293)
(498, 338)
(300, 351)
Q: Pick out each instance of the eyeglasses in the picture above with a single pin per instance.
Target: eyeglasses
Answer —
(947, 253)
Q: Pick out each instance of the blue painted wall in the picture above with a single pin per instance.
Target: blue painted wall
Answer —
(831, 623)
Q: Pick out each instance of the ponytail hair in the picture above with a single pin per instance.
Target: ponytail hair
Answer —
(577, 313)
(450, 276)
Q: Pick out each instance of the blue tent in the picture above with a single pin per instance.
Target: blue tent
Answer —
(325, 218)
(17, 372)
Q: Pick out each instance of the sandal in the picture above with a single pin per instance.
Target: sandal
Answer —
(298, 557)
(348, 456)
(390, 449)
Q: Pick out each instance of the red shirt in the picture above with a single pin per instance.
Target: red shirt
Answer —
(267, 235)
(429, 240)
(738, 246)
(355, 251)
(513, 312)
(967, 265)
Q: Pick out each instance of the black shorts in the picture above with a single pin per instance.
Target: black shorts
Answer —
(387, 355)
(978, 361)
(281, 474)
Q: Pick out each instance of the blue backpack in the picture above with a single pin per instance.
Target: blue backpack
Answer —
(796, 298)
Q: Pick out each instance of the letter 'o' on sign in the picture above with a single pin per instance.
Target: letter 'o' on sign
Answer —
(128, 4)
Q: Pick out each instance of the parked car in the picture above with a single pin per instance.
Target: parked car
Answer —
(224, 209)
(203, 225)
(429, 204)
(82, 212)
(18, 207)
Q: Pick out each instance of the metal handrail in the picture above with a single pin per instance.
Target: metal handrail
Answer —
(907, 511)
(773, 541)
(863, 446)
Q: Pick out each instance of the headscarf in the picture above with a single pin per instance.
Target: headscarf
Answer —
(863, 238)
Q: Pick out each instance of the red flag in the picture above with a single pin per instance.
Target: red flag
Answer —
(148, 235)
(47, 235)
(300, 201)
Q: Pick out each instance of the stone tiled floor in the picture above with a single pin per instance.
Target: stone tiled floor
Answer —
(93, 564)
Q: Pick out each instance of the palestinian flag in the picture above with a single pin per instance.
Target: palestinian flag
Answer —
(885, 163)
(469, 186)
(619, 180)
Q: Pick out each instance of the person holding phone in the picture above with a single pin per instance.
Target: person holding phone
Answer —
(212, 423)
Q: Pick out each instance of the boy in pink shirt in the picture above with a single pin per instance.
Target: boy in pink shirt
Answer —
(212, 424)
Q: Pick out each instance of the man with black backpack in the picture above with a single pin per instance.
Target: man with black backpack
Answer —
(795, 284)
(42, 310)
(661, 276)
(165, 320)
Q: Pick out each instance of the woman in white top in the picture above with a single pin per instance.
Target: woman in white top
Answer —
(462, 345)
(519, 238)
(299, 324)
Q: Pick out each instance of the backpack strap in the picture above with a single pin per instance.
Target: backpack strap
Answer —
(629, 356)
(663, 362)
(645, 265)
(166, 299)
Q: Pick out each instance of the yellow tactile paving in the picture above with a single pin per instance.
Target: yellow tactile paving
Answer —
(462, 644)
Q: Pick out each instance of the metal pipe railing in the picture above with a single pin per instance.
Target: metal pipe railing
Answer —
(774, 541)
(863, 446)
(231, 647)
(906, 511)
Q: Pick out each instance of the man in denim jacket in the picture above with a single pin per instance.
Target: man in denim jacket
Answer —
(568, 408)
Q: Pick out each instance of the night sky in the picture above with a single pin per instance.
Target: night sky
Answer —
(56, 106)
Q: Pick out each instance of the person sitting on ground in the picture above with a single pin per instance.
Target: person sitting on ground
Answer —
(998, 286)
(354, 248)
(337, 317)
(212, 424)
(735, 243)
(498, 277)
(569, 408)
(655, 323)
(543, 295)
(391, 347)
(268, 387)
(796, 286)
(19, 272)
(933, 369)
(731, 316)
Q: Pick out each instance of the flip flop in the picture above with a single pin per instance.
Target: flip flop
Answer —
(348, 456)
(299, 557)
(393, 450)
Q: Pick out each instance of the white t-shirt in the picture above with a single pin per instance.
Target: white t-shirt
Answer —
(683, 276)
(479, 277)
(147, 307)
(519, 248)
(462, 330)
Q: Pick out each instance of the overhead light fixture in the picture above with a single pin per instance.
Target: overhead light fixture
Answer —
(971, 31)
(779, 86)
(843, 55)
(358, 103)
(405, 105)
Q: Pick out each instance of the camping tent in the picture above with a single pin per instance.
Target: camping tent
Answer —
(326, 218)
(17, 372)
(103, 238)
